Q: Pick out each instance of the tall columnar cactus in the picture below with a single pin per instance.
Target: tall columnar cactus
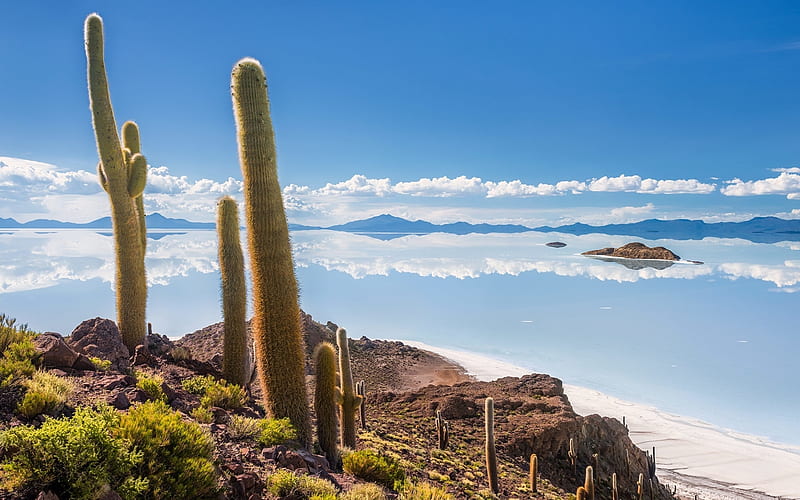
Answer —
(277, 331)
(123, 175)
(533, 472)
(349, 400)
(326, 398)
(651, 463)
(588, 483)
(491, 454)
(640, 487)
(573, 455)
(234, 294)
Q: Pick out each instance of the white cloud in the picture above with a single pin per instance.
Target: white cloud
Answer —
(441, 186)
(624, 213)
(791, 170)
(635, 184)
(787, 183)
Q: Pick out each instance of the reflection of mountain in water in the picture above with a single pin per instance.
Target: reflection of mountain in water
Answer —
(636, 264)
(388, 236)
(150, 236)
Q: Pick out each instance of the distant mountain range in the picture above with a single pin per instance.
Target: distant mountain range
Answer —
(759, 229)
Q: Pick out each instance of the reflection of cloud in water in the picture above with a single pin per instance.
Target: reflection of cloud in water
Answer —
(31, 261)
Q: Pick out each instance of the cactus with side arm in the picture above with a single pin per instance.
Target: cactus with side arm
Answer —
(122, 172)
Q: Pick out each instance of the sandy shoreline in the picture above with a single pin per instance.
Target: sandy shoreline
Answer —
(697, 457)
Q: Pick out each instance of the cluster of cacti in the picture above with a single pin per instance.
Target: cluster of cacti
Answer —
(122, 172)
(442, 431)
(326, 398)
(361, 390)
(491, 454)
(276, 322)
(234, 294)
(349, 400)
(533, 472)
(651, 463)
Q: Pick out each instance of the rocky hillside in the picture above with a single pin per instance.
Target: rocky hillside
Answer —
(532, 415)
(635, 251)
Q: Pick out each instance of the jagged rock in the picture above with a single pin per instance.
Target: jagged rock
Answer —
(119, 401)
(55, 353)
(47, 495)
(455, 407)
(143, 357)
(159, 345)
(635, 251)
(100, 338)
(83, 363)
(119, 381)
(135, 395)
(169, 392)
(243, 485)
(314, 463)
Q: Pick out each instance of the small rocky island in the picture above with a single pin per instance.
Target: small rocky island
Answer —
(635, 251)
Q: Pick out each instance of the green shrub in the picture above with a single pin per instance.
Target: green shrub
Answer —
(364, 491)
(276, 431)
(284, 483)
(370, 466)
(76, 457)
(244, 427)
(46, 394)
(101, 364)
(224, 395)
(151, 385)
(17, 352)
(180, 354)
(203, 415)
(177, 455)
(199, 384)
(424, 491)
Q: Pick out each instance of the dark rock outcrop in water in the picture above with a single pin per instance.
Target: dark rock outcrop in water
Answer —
(556, 244)
(635, 251)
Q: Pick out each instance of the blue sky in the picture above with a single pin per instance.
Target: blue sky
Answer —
(564, 98)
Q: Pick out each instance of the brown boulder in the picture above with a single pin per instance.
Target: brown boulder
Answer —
(55, 353)
(100, 338)
(635, 251)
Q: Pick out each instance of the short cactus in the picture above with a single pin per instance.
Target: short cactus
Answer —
(640, 487)
(277, 332)
(442, 431)
(491, 454)
(122, 173)
(361, 390)
(588, 483)
(533, 472)
(326, 399)
(614, 490)
(349, 400)
(581, 494)
(234, 294)
(573, 455)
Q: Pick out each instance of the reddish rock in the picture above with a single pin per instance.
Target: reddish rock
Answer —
(119, 401)
(100, 338)
(635, 251)
(143, 357)
(83, 363)
(55, 353)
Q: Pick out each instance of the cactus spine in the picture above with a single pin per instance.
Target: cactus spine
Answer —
(349, 400)
(326, 399)
(442, 431)
(234, 294)
(491, 454)
(277, 332)
(588, 483)
(361, 390)
(533, 471)
(614, 491)
(122, 173)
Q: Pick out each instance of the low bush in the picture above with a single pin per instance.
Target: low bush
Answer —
(176, 455)
(424, 491)
(284, 483)
(224, 395)
(203, 415)
(46, 394)
(102, 365)
(151, 385)
(276, 431)
(244, 427)
(364, 491)
(199, 384)
(76, 457)
(373, 467)
(17, 352)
